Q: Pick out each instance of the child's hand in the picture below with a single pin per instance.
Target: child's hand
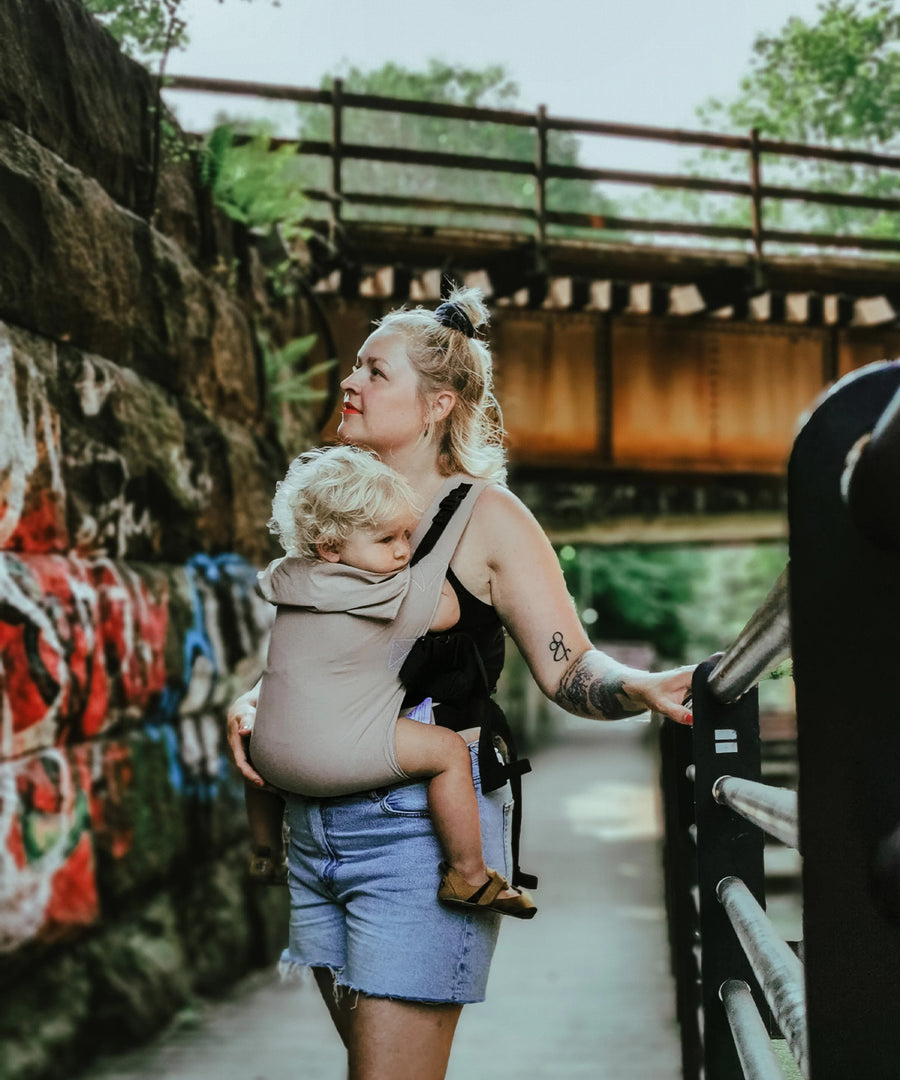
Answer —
(241, 716)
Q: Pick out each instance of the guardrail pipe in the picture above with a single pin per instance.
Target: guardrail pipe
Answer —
(754, 1047)
(763, 643)
(778, 971)
(773, 809)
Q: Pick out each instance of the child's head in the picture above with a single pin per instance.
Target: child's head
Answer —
(342, 504)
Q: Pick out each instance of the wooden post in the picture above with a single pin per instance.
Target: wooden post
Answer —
(540, 171)
(337, 134)
(756, 214)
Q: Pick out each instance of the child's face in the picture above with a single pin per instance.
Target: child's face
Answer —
(381, 551)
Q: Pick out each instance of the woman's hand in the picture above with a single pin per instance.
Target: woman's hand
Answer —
(666, 692)
(241, 716)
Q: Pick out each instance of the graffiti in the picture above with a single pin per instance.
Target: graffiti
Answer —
(133, 623)
(32, 495)
(224, 648)
(47, 880)
(102, 516)
(126, 493)
(81, 644)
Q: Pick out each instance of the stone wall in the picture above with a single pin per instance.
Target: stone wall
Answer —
(136, 467)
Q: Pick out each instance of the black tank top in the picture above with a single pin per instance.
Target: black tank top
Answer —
(445, 666)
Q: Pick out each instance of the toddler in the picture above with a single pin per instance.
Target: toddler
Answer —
(349, 607)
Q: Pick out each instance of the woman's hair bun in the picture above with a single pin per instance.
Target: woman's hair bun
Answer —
(470, 301)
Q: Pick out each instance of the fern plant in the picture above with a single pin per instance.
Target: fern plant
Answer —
(254, 184)
(291, 390)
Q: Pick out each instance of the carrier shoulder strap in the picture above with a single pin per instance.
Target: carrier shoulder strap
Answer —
(445, 511)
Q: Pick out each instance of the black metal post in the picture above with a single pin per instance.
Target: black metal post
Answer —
(845, 600)
(680, 873)
(726, 741)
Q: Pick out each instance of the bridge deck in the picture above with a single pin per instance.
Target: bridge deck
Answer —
(582, 993)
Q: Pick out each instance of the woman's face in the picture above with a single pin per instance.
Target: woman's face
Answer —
(383, 409)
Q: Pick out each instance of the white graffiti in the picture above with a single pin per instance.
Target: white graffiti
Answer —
(20, 439)
(25, 890)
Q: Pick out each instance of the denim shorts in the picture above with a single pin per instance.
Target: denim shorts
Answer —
(363, 880)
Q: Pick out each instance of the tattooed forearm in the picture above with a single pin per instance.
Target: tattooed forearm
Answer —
(587, 690)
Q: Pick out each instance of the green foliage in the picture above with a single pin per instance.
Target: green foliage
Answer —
(145, 29)
(254, 184)
(489, 87)
(291, 389)
(285, 381)
(639, 594)
(833, 81)
(687, 602)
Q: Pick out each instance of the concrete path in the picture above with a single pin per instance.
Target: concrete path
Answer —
(581, 993)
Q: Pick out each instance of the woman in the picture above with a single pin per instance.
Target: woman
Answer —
(420, 396)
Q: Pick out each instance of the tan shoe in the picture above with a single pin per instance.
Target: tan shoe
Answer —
(454, 889)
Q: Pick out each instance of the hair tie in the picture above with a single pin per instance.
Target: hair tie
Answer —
(452, 315)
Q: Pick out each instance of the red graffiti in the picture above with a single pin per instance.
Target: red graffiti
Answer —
(42, 525)
(48, 882)
(79, 641)
(134, 620)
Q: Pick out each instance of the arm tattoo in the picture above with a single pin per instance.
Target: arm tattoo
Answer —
(558, 647)
(587, 692)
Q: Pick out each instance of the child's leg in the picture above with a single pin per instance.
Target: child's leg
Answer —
(265, 813)
(424, 750)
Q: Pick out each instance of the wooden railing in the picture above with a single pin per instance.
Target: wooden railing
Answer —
(835, 611)
(543, 217)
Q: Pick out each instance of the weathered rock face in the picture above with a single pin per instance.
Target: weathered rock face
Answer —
(78, 268)
(136, 472)
(65, 83)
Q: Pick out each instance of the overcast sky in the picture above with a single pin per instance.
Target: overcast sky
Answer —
(646, 61)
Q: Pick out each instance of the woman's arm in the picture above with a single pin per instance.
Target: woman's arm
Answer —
(241, 716)
(529, 594)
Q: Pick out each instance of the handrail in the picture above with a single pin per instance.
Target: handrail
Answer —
(872, 483)
(772, 809)
(754, 1048)
(762, 644)
(844, 486)
(777, 969)
(543, 170)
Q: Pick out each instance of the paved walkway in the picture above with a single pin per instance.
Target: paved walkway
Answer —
(580, 993)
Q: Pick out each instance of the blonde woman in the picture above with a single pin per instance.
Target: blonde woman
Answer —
(420, 396)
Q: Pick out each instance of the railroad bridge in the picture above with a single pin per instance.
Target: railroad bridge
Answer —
(652, 370)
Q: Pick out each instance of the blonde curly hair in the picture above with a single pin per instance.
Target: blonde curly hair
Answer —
(332, 492)
(470, 438)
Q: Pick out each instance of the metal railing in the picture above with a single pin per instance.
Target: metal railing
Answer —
(835, 610)
(545, 220)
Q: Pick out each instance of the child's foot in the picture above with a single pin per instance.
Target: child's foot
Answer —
(495, 894)
(267, 868)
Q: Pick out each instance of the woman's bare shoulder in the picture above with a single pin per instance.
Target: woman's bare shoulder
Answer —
(500, 516)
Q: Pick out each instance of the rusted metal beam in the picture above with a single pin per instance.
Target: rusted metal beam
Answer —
(473, 249)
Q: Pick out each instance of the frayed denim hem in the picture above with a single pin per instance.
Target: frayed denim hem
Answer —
(296, 971)
(347, 988)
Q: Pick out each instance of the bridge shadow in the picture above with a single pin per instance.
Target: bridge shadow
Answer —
(581, 992)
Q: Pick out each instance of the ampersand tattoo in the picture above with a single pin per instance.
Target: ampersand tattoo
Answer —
(558, 647)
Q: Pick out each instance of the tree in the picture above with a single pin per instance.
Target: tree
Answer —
(145, 29)
(834, 81)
